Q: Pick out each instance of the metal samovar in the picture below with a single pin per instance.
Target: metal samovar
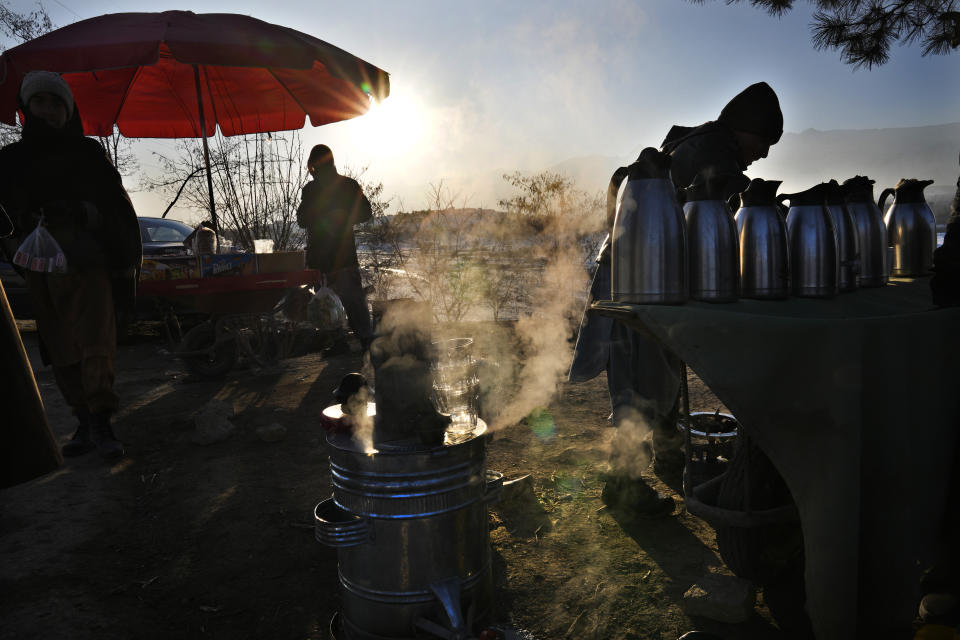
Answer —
(408, 515)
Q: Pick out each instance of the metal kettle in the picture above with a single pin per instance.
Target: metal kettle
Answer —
(814, 257)
(762, 243)
(711, 240)
(911, 228)
(848, 243)
(649, 239)
(871, 231)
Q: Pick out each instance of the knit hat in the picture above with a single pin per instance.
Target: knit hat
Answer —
(756, 109)
(46, 82)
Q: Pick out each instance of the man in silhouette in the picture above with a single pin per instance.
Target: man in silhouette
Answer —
(331, 205)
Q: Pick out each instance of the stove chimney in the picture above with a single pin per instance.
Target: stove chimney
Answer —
(401, 355)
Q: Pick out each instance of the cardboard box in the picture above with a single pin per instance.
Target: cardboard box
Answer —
(282, 261)
(230, 264)
(178, 268)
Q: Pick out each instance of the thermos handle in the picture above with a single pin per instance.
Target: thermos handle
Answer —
(883, 197)
(612, 190)
(782, 208)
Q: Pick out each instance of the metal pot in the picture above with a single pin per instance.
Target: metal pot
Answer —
(410, 529)
(649, 241)
(814, 256)
(762, 243)
(911, 228)
(871, 231)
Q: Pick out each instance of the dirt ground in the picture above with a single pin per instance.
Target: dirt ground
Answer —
(180, 540)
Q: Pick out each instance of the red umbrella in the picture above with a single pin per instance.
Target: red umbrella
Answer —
(179, 74)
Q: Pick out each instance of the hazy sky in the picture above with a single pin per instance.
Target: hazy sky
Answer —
(493, 86)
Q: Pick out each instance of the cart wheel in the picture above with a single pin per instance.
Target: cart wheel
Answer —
(221, 357)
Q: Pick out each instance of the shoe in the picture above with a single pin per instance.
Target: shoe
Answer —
(107, 444)
(634, 497)
(661, 508)
(80, 443)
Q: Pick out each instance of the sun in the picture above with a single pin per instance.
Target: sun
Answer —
(395, 127)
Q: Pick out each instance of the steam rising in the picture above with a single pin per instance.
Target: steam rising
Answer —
(630, 449)
(556, 299)
(545, 336)
(362, 432)
(527, 262)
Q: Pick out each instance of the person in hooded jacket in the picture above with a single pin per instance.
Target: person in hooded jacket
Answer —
(743, 133)
(57, 177)
(331, 205)
(642, 377)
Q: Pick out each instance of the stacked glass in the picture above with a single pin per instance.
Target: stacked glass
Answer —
(455, 385)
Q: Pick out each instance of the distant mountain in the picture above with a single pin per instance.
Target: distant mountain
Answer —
(800, 160)
(886, 155)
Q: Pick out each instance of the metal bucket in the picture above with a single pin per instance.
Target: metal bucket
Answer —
(711, 443)
(411, 533)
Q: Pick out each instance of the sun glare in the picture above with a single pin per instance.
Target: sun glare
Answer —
(393, 128)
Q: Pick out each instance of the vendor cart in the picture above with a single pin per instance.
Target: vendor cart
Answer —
(853, 401)
(244, 316)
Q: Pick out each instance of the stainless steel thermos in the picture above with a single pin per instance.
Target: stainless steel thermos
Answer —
(711, 241)
(649, 237)
(814, 255)
(848, 242)
(871, 231)
(911, 228)
(762, 241)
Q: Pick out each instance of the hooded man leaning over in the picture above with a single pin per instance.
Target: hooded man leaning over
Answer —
(642, 377)
(747, 127)
(55, 172)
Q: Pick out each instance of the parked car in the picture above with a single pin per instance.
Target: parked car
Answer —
(163, 237)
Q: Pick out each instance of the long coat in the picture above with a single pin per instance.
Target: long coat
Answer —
(329, 208)
(43, 171)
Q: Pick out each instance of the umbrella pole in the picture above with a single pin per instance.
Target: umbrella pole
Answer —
(206, 149)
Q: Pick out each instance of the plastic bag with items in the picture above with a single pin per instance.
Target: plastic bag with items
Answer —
(41, 252)
(325, 310)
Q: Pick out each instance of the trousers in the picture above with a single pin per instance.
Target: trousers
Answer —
(77, 327)
(348, 285)
(643, 378)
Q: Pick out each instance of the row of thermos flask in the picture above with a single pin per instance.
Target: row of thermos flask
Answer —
(832, 238)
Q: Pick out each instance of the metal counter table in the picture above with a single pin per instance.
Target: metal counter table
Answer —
(854, 402)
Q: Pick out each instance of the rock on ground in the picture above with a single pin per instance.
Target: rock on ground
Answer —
(273, 432)
(212, 422)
